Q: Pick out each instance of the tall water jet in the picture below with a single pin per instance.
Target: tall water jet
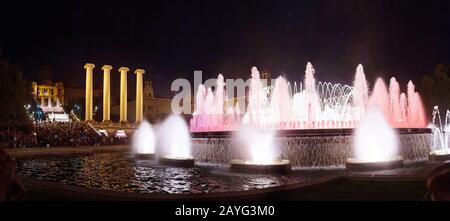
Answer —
(219, 96)
(312, 99)
(260, 155)
(394, 100)
(416, 112)
(255, 99)
(174, 142)
(144, 140)
(280, 99)
(440, 150)
(375, 144)
(360, 92)
(380, 98)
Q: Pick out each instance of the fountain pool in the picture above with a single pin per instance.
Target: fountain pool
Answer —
(122, 172)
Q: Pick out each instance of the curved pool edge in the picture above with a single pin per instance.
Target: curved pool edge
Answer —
(71, 192)
(296, 191)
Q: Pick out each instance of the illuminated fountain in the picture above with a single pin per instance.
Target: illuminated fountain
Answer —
(375, 143)
(313, 121)
(439, 142)
(174, 142)
(144, 141)
(260, 153)
(308, 105)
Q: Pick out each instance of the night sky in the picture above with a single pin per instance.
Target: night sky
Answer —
(171, 39)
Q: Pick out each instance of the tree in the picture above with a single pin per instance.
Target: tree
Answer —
(435, 89)
(16, 93)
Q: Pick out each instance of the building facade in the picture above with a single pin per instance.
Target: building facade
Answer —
(50, 97)
(155, 109)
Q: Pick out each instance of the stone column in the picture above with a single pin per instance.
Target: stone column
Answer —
(42, 100)
(56, 97)
(106, 92)
(123, 94)
(139, 92)
(49, 104)
(89, 85)
(58, 102)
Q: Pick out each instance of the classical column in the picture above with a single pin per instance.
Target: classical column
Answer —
(123, 94)
(49, 104)
(56, 98)
(58, 102)
(139, 91)
(42, 100)
(106, 92)
(89, 84)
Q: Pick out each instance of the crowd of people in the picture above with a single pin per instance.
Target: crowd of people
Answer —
(56, 134)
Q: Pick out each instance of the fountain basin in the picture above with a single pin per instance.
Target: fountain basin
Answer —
(177, 161)
(324, 147)
(356, 164)
(439, 155)
(279, 166)
(145, 156)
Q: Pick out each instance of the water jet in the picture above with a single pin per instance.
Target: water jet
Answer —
(143, 143)
(260, 155)
(174, 142)
(375, 145)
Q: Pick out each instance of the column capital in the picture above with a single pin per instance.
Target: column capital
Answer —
(124, 69)
(106, 67)
(89, 66)
(139, 71)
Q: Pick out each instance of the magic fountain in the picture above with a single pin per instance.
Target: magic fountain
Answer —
(312, 123)
(306, 125)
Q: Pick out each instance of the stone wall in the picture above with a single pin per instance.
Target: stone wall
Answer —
(308, 151)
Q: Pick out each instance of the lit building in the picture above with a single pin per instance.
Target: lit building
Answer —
(155, 109)
(50, 97)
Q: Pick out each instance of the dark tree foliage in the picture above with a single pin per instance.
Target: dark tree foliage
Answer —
(435, 89)
(16, 92)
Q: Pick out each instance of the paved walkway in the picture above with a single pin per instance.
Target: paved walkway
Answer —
(63, 151)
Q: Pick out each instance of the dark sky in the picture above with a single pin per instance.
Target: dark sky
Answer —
(170, 39)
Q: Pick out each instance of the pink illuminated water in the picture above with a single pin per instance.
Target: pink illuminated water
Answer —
(311, 105)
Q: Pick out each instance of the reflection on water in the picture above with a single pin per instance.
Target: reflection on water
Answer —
(120, 172)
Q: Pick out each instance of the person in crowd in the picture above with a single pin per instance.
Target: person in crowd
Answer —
(56, 134)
